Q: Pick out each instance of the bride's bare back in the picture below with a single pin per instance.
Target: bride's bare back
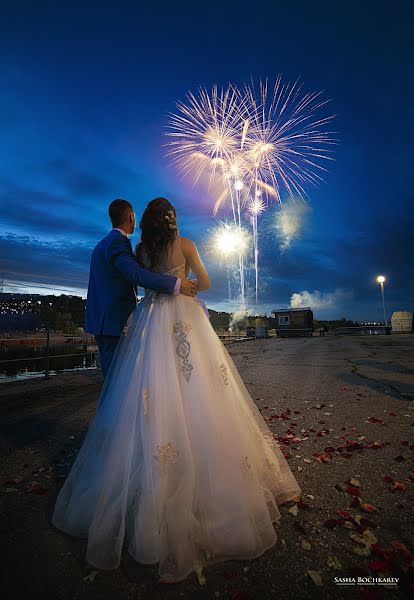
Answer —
(182, 253)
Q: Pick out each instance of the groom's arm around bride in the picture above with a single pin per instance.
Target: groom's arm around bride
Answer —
(113, 278)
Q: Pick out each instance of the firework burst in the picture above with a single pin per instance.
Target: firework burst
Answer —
(256, 206)
(255, 144)
(287, 140)
(205, 131)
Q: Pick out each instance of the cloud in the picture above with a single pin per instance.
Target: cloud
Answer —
(30, 262)
(327, 302)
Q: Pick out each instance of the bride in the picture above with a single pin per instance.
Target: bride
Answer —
(178, 463)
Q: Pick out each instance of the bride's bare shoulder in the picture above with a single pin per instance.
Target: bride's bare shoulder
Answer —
(187, 245)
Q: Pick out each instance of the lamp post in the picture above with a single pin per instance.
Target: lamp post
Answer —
(381, 281)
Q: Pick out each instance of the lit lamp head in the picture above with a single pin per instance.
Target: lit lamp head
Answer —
(380, 279)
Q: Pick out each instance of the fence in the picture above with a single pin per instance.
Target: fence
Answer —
(86, 341)
(68, 343)
(364, 330)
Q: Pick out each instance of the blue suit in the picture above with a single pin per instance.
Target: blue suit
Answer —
(112, 291)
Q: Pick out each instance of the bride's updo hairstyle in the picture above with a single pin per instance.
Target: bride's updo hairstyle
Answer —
(158, 230)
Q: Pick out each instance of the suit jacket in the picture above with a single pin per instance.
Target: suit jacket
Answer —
(113, 280)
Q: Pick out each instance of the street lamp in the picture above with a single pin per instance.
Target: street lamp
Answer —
(381, 281)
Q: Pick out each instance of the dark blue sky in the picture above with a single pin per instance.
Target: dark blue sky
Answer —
(86, 89)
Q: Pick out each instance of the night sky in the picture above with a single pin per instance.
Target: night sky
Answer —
(85, 93)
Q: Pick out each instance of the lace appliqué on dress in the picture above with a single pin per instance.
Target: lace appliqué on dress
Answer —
(145, 400)
(246, 467)
(223, 371)
(166, 456)
(180, 330)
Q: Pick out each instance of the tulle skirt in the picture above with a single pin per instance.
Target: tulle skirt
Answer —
(178, 463)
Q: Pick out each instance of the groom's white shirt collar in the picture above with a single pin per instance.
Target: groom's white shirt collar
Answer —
(122, 231)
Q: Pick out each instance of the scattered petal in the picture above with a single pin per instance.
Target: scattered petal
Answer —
(36, 488)
(305, 544)
(239, 595)
(353, 491)
(364, 551)
(334, 563)
(293, 510)
(368, 507)
(379, 566)
(332, 523)
(200, 575)
(367, 538)
(399, 486)
(230, 574)
(316, 577)
(364, 522)
(14, 481)
(344, 514)
(399, 546)
(91, 576)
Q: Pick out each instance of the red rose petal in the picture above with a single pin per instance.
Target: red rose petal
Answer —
(399, 546)
(379, 565)
(239, 595)
(331, 523)
(368, 507)
(353, 491)
(399, 486)
(230, 574)
(345, 514)
(36, 488)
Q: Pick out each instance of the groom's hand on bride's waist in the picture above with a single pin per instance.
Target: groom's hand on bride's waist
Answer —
(188, 287)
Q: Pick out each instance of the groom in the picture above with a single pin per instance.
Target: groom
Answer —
(113, 279)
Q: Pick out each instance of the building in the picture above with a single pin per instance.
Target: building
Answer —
(402, 321)
(258, 327)
(293, 321)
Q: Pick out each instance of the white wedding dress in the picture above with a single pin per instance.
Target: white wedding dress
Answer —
(178, 463)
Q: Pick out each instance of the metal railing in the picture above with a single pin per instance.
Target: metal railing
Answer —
(48, 346)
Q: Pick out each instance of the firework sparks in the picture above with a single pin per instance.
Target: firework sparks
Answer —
(254, 144)
(230, 243)
(230, 240)
(287, 138)
(205, 131)
(256, 206)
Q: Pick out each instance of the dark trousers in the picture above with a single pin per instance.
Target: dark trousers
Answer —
(107, 345)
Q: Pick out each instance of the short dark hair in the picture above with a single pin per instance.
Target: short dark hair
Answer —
(118, 211)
